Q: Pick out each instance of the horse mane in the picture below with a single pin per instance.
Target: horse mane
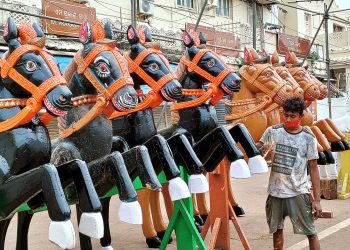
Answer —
(70, 70)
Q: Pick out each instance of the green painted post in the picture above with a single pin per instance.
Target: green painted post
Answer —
(182, 221)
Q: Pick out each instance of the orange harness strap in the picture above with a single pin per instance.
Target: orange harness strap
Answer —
(34, 104)
(213, 91)
(102, 104)
(153, 98)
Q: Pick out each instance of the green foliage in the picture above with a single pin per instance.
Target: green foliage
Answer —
(313, 56)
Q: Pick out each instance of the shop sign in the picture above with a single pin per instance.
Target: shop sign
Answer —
(219, 38)
(67, 11)
(298, 45)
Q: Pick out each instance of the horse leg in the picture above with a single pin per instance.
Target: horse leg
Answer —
(150, 234)
(4, 224)
(338, 132)
(139, 164)
(241, 134)
(239, 211)
(332, 137)
(162, 159)
(157, 218)
(185, 156)
(212, 148)
(202, 206)
(106, 240)
(321, 139)
(23, 223)
(169, 205)
(44, 178)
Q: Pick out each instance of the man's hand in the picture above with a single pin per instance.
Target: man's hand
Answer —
(316, 209)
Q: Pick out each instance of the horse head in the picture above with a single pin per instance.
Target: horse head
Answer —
(28, 70)
(322, 87)
(259, 76)
(204, 66)
(100, 68)
(302, 77)
(283, 72)
(147, 65)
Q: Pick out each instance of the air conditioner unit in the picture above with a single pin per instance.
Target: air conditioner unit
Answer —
(145, 7)
(212, 3)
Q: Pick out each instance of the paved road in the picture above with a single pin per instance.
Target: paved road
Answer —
(251, 194)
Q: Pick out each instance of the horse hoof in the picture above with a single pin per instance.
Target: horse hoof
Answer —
(91, 224)
(107, 248)
(153, 242)
(161, 236)
(258, 165)
(329, 157)
(199, 227)
(130, 212)
(204, 218)
(178, 189)
(62, 234)
(238, 211)
(346, 145)
(239, 169)
(198, 219)
(322, 159)
(198, 183)
(337, 146)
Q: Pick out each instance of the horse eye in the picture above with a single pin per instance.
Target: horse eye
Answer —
(269, 74)
(154, 67)
(102, 70)
(211, 63)
(31, 66)
(284, 76)
(301, 74)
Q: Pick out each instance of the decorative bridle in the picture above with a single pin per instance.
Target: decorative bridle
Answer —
(33, 104)
(213, 91)
(102, 102)
(153, 98)
(265, 100)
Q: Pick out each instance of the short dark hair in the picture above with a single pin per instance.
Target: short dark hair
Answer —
(294, 105)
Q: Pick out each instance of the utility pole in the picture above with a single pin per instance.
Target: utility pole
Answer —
(200, 14)
(326, 17)
(254, 23)
(133, 12)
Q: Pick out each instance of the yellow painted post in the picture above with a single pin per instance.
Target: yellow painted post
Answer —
(344, 172)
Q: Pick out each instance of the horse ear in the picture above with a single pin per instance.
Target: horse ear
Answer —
(248, 59)
(11, 34)
(202, 39)
(39, 32)
(132, 35)
(108, 30)
(275, 58)
(85, 33)
(288, 58)
(294, 58)
(148, 35)
(187, 39)
(254, 54)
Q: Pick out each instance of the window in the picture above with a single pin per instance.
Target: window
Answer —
(185, 3)
(337, 28)
(223, 8)
(307, 19)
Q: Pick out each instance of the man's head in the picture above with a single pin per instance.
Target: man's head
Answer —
(293, 109)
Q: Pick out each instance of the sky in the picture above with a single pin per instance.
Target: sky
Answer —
(343, 3)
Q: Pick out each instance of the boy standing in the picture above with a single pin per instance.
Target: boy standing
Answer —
(294, 149)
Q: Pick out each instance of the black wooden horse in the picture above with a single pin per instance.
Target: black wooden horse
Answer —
(99, 72)
(197, 114)
(149, 66)
(30, 72)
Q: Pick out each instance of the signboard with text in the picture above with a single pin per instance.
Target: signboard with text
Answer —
(296, 44)
(219, 38)
(68, 11)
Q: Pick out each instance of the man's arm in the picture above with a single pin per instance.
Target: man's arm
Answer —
(315, 179)
(259, 144)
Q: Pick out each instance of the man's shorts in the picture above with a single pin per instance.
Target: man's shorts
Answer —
(298, 208)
